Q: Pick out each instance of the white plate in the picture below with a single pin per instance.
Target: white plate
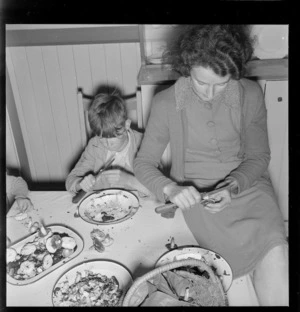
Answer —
(55, 228)
(271, 41)
(108, 268)
(127, 200)
(211, 258)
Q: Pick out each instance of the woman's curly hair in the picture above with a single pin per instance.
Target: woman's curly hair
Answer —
(224, 48)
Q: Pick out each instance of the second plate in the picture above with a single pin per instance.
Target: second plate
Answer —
(108, 206)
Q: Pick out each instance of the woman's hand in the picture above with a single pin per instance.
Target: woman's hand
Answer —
(183, 196)
(223, 200)
(24, 203)
(87, 183)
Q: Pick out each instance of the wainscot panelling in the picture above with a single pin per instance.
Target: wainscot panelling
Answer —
(16, 156)
(45, 80)
(12, 159)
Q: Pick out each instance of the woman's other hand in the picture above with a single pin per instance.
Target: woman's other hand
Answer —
(87, 183)
(223, 200)
(24, 203)
(183, 196)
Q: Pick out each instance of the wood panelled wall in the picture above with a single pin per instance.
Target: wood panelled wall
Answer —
(45, 80)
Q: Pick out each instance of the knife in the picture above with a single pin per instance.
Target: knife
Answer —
(204, 197)
(81, 193)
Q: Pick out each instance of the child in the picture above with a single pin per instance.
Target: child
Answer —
(113, 138)
(17, 190)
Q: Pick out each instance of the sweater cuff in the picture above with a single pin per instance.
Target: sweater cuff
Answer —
(72, 188)
(21, 196)
(242, 183)
(161, 196)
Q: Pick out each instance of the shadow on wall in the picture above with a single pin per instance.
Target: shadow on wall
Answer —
(14, 172)
(115, 90)
(37, 186)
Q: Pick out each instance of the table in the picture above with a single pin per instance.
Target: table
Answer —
(138, 243)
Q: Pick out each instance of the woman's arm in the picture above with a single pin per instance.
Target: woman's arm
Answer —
(85, 164)
(257, 152)
(155, 140)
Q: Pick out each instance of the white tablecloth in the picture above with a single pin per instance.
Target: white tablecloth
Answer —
(138, 243)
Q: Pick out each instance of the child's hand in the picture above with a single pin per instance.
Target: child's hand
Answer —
(87, 183)
(24, 203)
(117, 176)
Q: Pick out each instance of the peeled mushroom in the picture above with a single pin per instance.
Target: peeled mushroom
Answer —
(107, 240)
(28, 249)
(53, 243)
(67, 252)
(68, 242)
(11, 255)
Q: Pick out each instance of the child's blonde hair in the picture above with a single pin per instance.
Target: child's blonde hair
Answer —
(107, 115)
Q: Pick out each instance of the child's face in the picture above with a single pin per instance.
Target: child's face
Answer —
(116, 144)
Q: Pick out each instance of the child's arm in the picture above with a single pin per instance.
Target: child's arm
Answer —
(85, 165)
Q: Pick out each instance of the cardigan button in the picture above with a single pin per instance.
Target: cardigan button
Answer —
(213, 141)
(208, 105)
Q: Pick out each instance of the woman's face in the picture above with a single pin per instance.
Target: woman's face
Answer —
(206, 83)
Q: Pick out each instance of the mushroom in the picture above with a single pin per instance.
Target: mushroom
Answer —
(34, 227)
(11, 255)
(42, 239)
(47, 261)
(107, 240)
(67, 252)
(21, 216)
(68, 242)
(53, 243)
(97, 233)
(27, 268)
(28, 249)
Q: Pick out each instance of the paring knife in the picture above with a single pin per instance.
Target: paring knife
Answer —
(81, 193)
(204, 197)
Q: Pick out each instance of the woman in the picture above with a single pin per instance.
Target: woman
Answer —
(216, 123)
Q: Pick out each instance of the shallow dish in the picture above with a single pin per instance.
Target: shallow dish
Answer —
(55, 228)
(107, 268)
(223, 269)
(271, 41)
(108, 206)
